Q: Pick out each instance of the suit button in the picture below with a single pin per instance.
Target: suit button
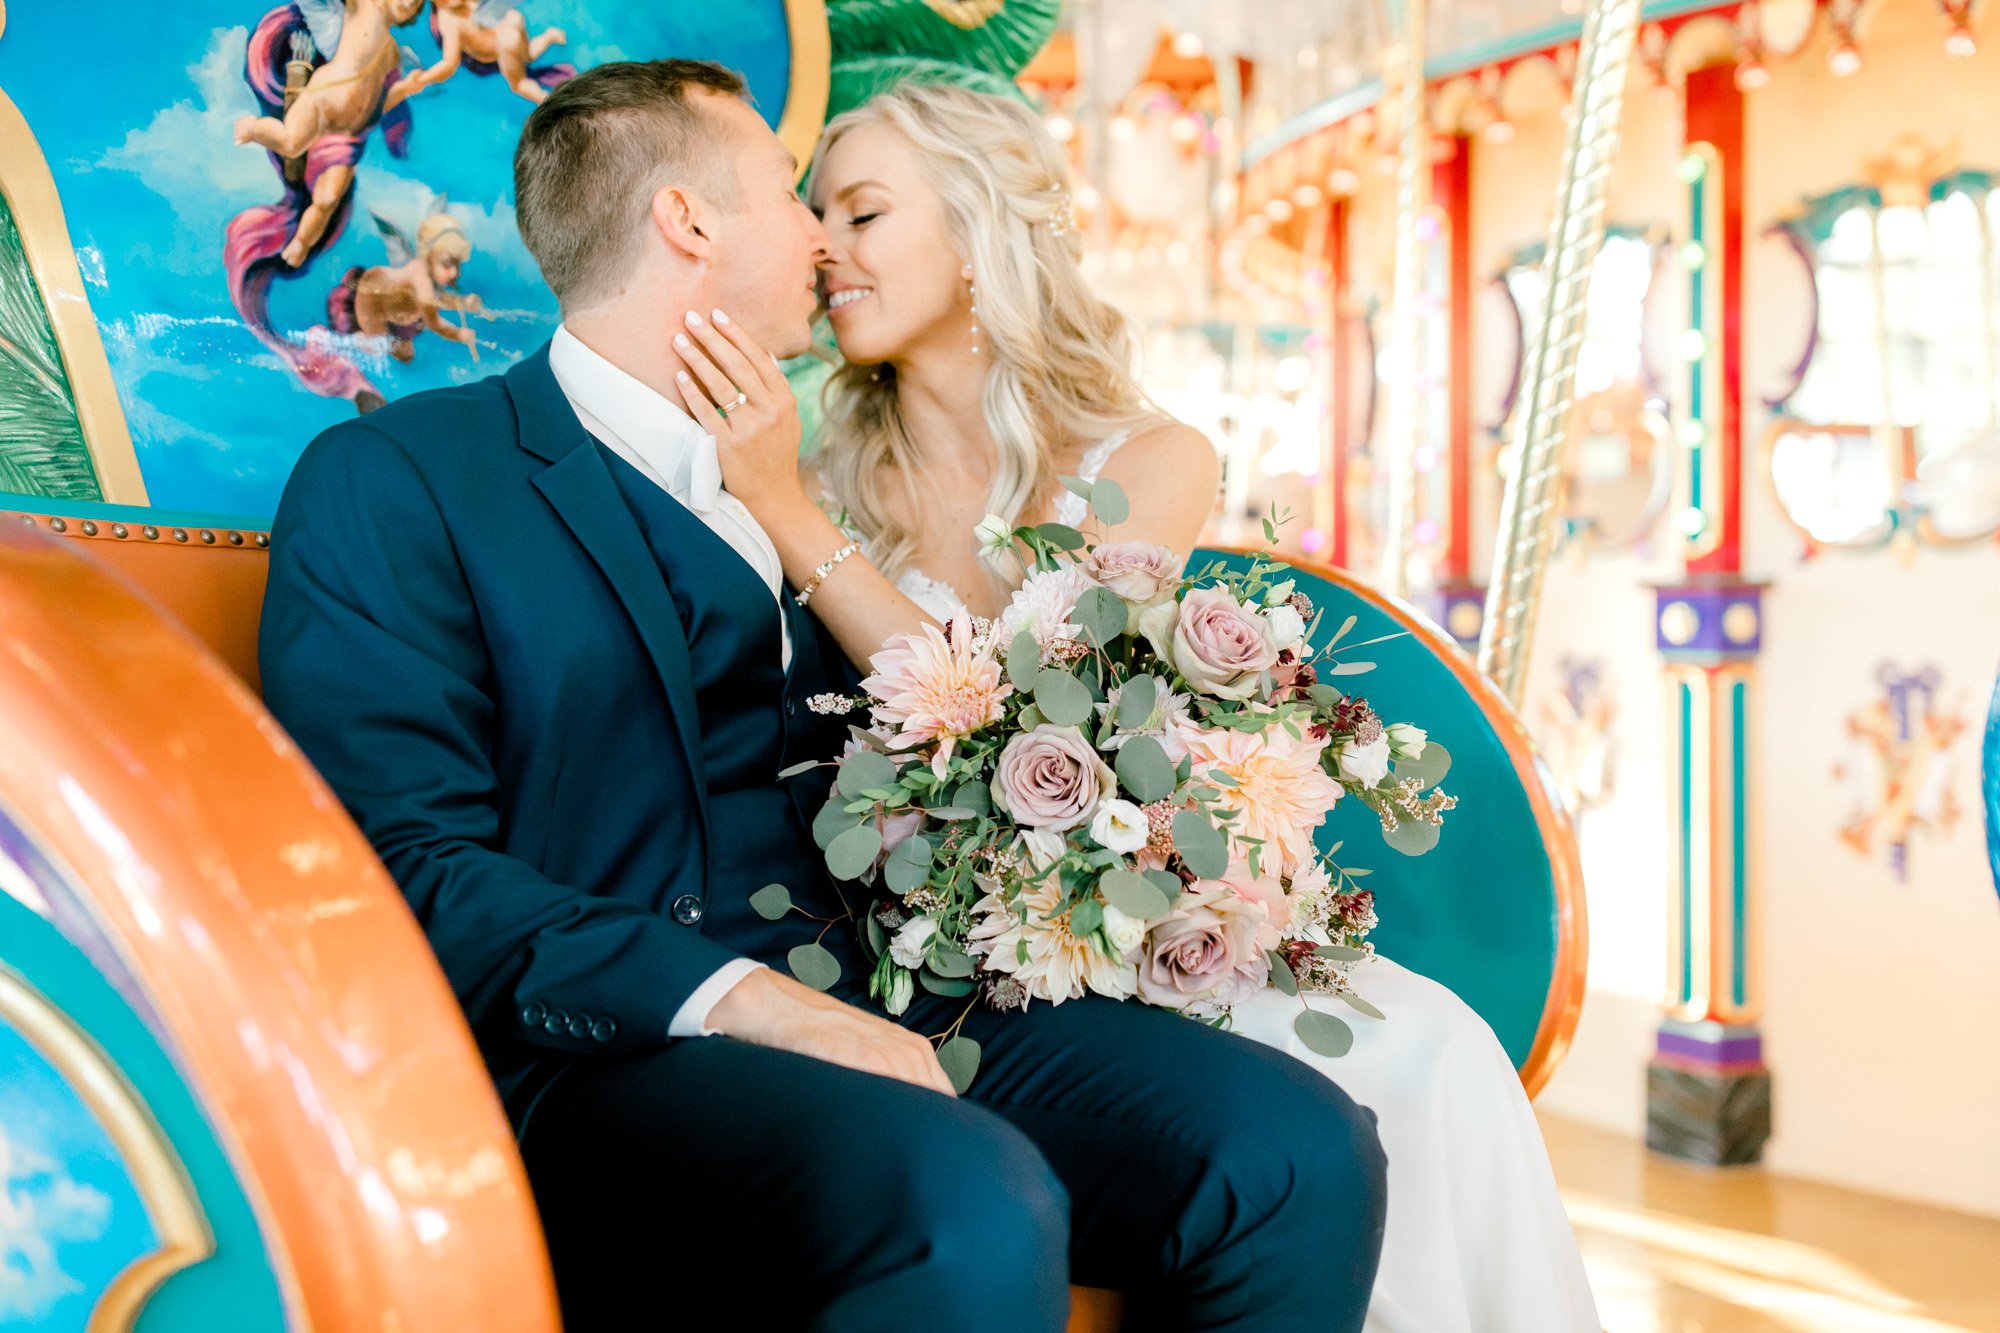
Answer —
(687, 909)
(603, 1030)
(557, 1023)
(579, 1027)
(791, 708)
(533, 1014)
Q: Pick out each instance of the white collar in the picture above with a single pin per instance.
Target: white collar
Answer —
(635, 420)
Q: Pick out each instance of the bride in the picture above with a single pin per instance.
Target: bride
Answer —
(979, 369)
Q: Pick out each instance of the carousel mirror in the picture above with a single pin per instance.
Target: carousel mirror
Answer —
(1894, 418)
(1619, 475)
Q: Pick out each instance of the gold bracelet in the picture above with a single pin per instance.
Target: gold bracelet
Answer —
(825, 568)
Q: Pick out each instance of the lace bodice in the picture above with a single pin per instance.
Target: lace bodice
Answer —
(940, 600)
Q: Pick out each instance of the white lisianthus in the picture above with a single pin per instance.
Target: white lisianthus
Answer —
(994, 536)
(1406, 741)
(913, 941)
(1279, 593)
(1288, 627)
(900, 989)
(1366, 764)
(1119, 826)
(1043, 846)
(1125, 933)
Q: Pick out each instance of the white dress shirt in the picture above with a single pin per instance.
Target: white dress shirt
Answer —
(669, 449)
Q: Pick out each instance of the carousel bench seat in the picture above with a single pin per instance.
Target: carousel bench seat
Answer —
(199, 948)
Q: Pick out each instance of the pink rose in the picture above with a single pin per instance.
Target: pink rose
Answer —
(1205, 957)
(1265, 889)
(1051, 778)
(1139, 572)
(1222, 646)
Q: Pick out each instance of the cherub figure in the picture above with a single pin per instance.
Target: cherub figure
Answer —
(490, 35)
(411, 293)
(340, 102)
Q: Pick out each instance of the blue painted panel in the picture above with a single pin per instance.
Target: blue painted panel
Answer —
(135, 119)
(231, 1292)
(1477, 912)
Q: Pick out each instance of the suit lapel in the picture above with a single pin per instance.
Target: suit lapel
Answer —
(580, 489)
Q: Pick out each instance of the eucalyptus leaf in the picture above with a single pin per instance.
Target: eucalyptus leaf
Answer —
(1429, 769)
(1413, 837)
(1324, 1034)
(1101, 614)
(973, 795)
(1360, 1005)
(1086, 917)
(814, 965)
(1349, 668)
(1133, 894)
(851, 854)
(909, 865)
(1029, 718)
(1108, 502)
(1340, 953)
(832, 820)
(949, 987)
(952, 812)
(1136, 701)
(960, 1058)
(796, 769)
(771, 902)
(1341, 633)
(1024, 659)
(1281, 974)
(1061, 536)
(1076, 486)
(1323, 696)
(1144, 770)
(1167, 882)
(873, 937)
(1201, 846)
(1061, 697)
(949, 962)
(865, 769)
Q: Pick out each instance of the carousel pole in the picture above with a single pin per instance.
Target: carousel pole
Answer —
(1406, 406)
(1541, 429)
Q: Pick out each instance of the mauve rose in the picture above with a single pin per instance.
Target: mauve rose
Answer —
(1205, 957)
(1051, 778)
(1266, 889)
(1139, 572)
(1222, 646)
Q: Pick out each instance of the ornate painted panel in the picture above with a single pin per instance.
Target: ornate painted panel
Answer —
(284, 215)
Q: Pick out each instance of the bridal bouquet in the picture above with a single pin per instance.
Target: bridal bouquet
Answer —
(1113, 788)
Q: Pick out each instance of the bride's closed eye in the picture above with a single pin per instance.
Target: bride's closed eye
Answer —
(862, 219)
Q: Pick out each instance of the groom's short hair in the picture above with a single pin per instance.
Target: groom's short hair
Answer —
(595, 152)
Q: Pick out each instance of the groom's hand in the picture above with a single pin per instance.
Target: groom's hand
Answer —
(768, 1008)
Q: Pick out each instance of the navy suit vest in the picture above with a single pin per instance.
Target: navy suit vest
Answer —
(755, 722)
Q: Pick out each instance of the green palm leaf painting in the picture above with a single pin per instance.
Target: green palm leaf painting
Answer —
(42, 452)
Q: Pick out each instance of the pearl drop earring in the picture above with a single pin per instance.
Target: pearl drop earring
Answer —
(975, 308)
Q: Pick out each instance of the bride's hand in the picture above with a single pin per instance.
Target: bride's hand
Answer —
(735, 391)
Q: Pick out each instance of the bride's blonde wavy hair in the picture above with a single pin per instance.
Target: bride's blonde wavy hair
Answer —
(1061, 357)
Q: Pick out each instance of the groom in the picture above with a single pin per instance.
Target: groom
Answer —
(553, 671)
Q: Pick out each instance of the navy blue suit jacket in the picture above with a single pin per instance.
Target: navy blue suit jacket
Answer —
(466, 633)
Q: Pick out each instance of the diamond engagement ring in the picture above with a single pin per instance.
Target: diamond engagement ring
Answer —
(733, 404)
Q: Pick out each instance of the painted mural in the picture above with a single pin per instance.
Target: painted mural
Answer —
(283, 216)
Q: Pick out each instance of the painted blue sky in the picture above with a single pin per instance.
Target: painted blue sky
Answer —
(134, 119)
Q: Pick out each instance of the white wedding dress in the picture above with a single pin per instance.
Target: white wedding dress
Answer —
(1477, 1239)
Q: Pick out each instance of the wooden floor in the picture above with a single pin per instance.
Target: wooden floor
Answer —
(1679, 1249)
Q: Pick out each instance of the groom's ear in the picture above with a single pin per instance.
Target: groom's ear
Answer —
(682, 218)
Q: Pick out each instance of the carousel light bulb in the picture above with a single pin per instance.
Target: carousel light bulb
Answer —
(1188, 46)
(1426, 531)
(1343, 180)
(1312, 541)
(1498, 130)
(1278, 210)
(1752, 75)
(1425, 458)
(1693, 166)
(1693, 256)
(1960, 44)
(1123, 127)
(1179, 252)
(1087, 198)
(1843, 60)
(1693, 434)
(1186, 129)
(1308, 57)
(1307, 195)
(1692, 344)
(1693, 522)
(1061, 128)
